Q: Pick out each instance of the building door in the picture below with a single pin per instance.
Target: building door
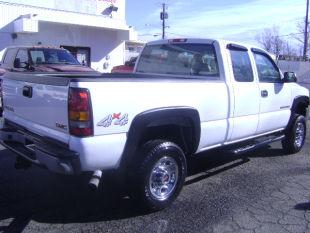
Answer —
(82, 54)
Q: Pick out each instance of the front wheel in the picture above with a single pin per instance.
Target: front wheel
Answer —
(159, 175)
(295, 135)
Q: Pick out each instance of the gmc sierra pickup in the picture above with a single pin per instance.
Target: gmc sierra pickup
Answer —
(185, 96)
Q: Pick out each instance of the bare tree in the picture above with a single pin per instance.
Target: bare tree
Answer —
(265, 40)
(300, 35)
(289, 50)
(271, 41)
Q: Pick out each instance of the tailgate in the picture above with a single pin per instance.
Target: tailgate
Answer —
(38, 103)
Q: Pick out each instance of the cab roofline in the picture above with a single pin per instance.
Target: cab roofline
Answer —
(34, 47)
(181, 40)
(206, 41)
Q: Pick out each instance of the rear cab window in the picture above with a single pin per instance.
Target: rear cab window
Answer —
(52, 56)
(194, 60)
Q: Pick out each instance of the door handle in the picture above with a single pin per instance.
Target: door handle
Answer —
(264, 93)
(27, 91)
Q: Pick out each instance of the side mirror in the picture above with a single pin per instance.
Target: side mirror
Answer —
(290, 77)
(133, 63)
(17, 63)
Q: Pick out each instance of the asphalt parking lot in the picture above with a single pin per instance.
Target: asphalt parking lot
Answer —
(265, 191)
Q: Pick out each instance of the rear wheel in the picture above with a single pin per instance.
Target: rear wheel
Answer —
(159, 175)
(295, 135)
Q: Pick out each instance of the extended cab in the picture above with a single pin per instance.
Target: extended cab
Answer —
(185, 96)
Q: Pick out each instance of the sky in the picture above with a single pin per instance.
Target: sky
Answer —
(236, 20)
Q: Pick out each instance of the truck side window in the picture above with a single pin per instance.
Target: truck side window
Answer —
(266, 69)
(9, 57)
(23, 56)
(241, 66)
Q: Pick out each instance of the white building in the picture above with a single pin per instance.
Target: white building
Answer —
(95, 31)
(133, 48)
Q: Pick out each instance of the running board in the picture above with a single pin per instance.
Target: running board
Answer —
(247, 148)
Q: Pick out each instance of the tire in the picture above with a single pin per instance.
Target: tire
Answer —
(159, 175)
(295, 135)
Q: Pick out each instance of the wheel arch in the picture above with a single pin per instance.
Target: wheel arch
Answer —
(180, 125)
(300, 105)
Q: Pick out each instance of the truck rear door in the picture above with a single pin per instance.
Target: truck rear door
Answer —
(38, 103)
(245, 91)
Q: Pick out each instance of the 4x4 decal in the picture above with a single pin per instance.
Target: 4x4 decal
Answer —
(115, 118)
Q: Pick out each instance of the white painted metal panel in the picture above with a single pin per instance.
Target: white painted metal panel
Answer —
(244, 126)
(100, 152)
(274, 108)
(269, 121)
(40, 113)
(213, 133)
(210, 98)
(245, 107)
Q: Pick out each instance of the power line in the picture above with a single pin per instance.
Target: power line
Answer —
(177, 34)
(291, 34)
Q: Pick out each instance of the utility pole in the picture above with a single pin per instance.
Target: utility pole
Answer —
(306, 32)
(164, 11)
(163, 17)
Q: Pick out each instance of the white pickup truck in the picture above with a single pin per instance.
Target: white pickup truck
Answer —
(185, 96)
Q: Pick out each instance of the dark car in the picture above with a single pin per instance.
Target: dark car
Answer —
(127, 68)
(40, 59)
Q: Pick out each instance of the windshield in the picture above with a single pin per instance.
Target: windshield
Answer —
(179, 59)
(52, 56)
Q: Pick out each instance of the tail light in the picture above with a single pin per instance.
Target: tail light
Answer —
(80, 113)
(177, 41)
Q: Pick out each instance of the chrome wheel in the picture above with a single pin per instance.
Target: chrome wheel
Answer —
(299, 134)
(163, 178)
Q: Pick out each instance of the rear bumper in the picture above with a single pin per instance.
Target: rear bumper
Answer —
(42, 152)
